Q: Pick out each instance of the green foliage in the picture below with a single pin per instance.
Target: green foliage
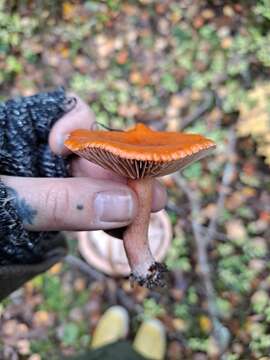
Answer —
(75, 335)
(60, 301)
(167, 53)
(260, 344)
(245, 212)
(14, 29)
(109, 93)
(232, 356)
(193, 326)
(169, 83)
(111, 4)
(192, 296)
(234, 271)
(45, 348)
(198, 344)
(194, 171)
(260, 301)
(234, 94)
(177, 257)
(224, 307)
(262, 8)
(235, 274)
(151, 309)
(54, 297)
(81, 84)
(182, 311)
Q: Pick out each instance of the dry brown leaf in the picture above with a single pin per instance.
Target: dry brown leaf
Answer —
(122, 57)
(79, 284)
(208, 14)
(23, 346)
(236, 230)
(179, 324)
(42, 318)
(56, 269)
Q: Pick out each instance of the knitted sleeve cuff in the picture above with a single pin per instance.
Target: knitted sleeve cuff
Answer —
(25, 124)
(15, 275)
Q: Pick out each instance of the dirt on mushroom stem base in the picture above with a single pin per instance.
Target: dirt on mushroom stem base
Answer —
(145, 270)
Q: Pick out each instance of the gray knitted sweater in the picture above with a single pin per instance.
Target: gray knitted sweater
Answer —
(25, 123)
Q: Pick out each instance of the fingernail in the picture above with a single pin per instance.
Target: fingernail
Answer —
(114, 206)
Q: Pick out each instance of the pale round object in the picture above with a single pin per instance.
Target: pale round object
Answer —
(107, 254)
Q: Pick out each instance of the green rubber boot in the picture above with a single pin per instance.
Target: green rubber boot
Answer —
(150, 340)
(112, 326)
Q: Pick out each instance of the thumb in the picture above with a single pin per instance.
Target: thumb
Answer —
(53, 204)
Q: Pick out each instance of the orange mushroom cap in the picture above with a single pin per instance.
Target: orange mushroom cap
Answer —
(139, 152)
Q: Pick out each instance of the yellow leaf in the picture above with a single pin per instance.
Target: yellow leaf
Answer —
(41, 318)
(179, 325)
(205, 323)
(135, 77)
(68, 10)
(255, 118)
(55, 269)
(64, 51)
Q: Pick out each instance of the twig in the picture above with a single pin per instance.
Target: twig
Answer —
(220, 332)
(217, 234)
(204, 229)
(128, 302)
(227, 178)
(199, 111)
(79, 264)
(205, 106)
(94, 275)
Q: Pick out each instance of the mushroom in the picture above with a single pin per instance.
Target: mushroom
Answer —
(140, 154)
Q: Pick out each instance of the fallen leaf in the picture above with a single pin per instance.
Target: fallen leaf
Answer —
(68, 10)
(128, 110)
(23, 346)
(9, 327)
(205, 324)
(236, 230)
(55, 269)
(43, 318)
(122, 57)
(79, 284)
(208, 14)
(198, 22)
(179, 325)
(228, 11)
(226, 42)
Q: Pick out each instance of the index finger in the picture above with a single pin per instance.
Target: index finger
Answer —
(80, 117)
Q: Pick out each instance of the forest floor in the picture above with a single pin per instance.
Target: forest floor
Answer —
(198, 66)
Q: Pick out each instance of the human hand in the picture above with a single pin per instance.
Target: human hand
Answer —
(93, 198)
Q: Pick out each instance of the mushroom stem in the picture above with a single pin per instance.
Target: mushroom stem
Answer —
(143, 266)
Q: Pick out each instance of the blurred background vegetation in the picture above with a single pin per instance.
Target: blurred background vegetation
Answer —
(202, 66)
